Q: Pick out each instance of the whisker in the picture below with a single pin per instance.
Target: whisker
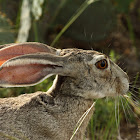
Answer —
(131, 109)
(116, 113)
(134, 87)
(135, 101)
(132, 83)
(134, 96)
(130, 101)
(135, 91)
(127, 120)
(118, 109)
(119, 135)
(136, 78)
(126, 104)
(132, 75)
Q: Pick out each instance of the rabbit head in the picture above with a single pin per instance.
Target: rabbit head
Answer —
(95, 75)
(88, 74)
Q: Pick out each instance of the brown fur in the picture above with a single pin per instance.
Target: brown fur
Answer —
(40, 116)
(53, 115)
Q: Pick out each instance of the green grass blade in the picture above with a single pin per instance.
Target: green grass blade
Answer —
(72, 19)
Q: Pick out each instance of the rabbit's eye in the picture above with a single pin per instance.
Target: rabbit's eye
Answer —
(102, 64)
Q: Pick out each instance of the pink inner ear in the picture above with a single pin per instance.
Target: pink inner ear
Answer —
(20, 49)
(22, 75)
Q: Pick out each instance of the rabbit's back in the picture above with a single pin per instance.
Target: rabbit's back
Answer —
(40, 116)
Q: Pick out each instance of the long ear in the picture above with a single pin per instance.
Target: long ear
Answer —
(30, 69)
(12, 50)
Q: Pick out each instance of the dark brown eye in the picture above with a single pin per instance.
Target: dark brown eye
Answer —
(102, 64)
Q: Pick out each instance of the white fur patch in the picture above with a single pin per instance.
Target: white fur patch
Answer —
(25, 61)
(96, 58)
(58, 52)
(93, 95)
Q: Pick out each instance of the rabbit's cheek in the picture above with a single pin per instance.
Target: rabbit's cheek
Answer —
(106, 75)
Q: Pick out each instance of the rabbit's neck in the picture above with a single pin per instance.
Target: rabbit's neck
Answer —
(68, 86)
(72, 109)
(72, 106)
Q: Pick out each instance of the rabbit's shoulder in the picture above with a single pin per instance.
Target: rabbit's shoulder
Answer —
(20, 102)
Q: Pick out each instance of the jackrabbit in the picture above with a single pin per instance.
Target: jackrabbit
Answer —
(82, 75)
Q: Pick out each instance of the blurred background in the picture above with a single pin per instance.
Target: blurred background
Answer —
(108, 26)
